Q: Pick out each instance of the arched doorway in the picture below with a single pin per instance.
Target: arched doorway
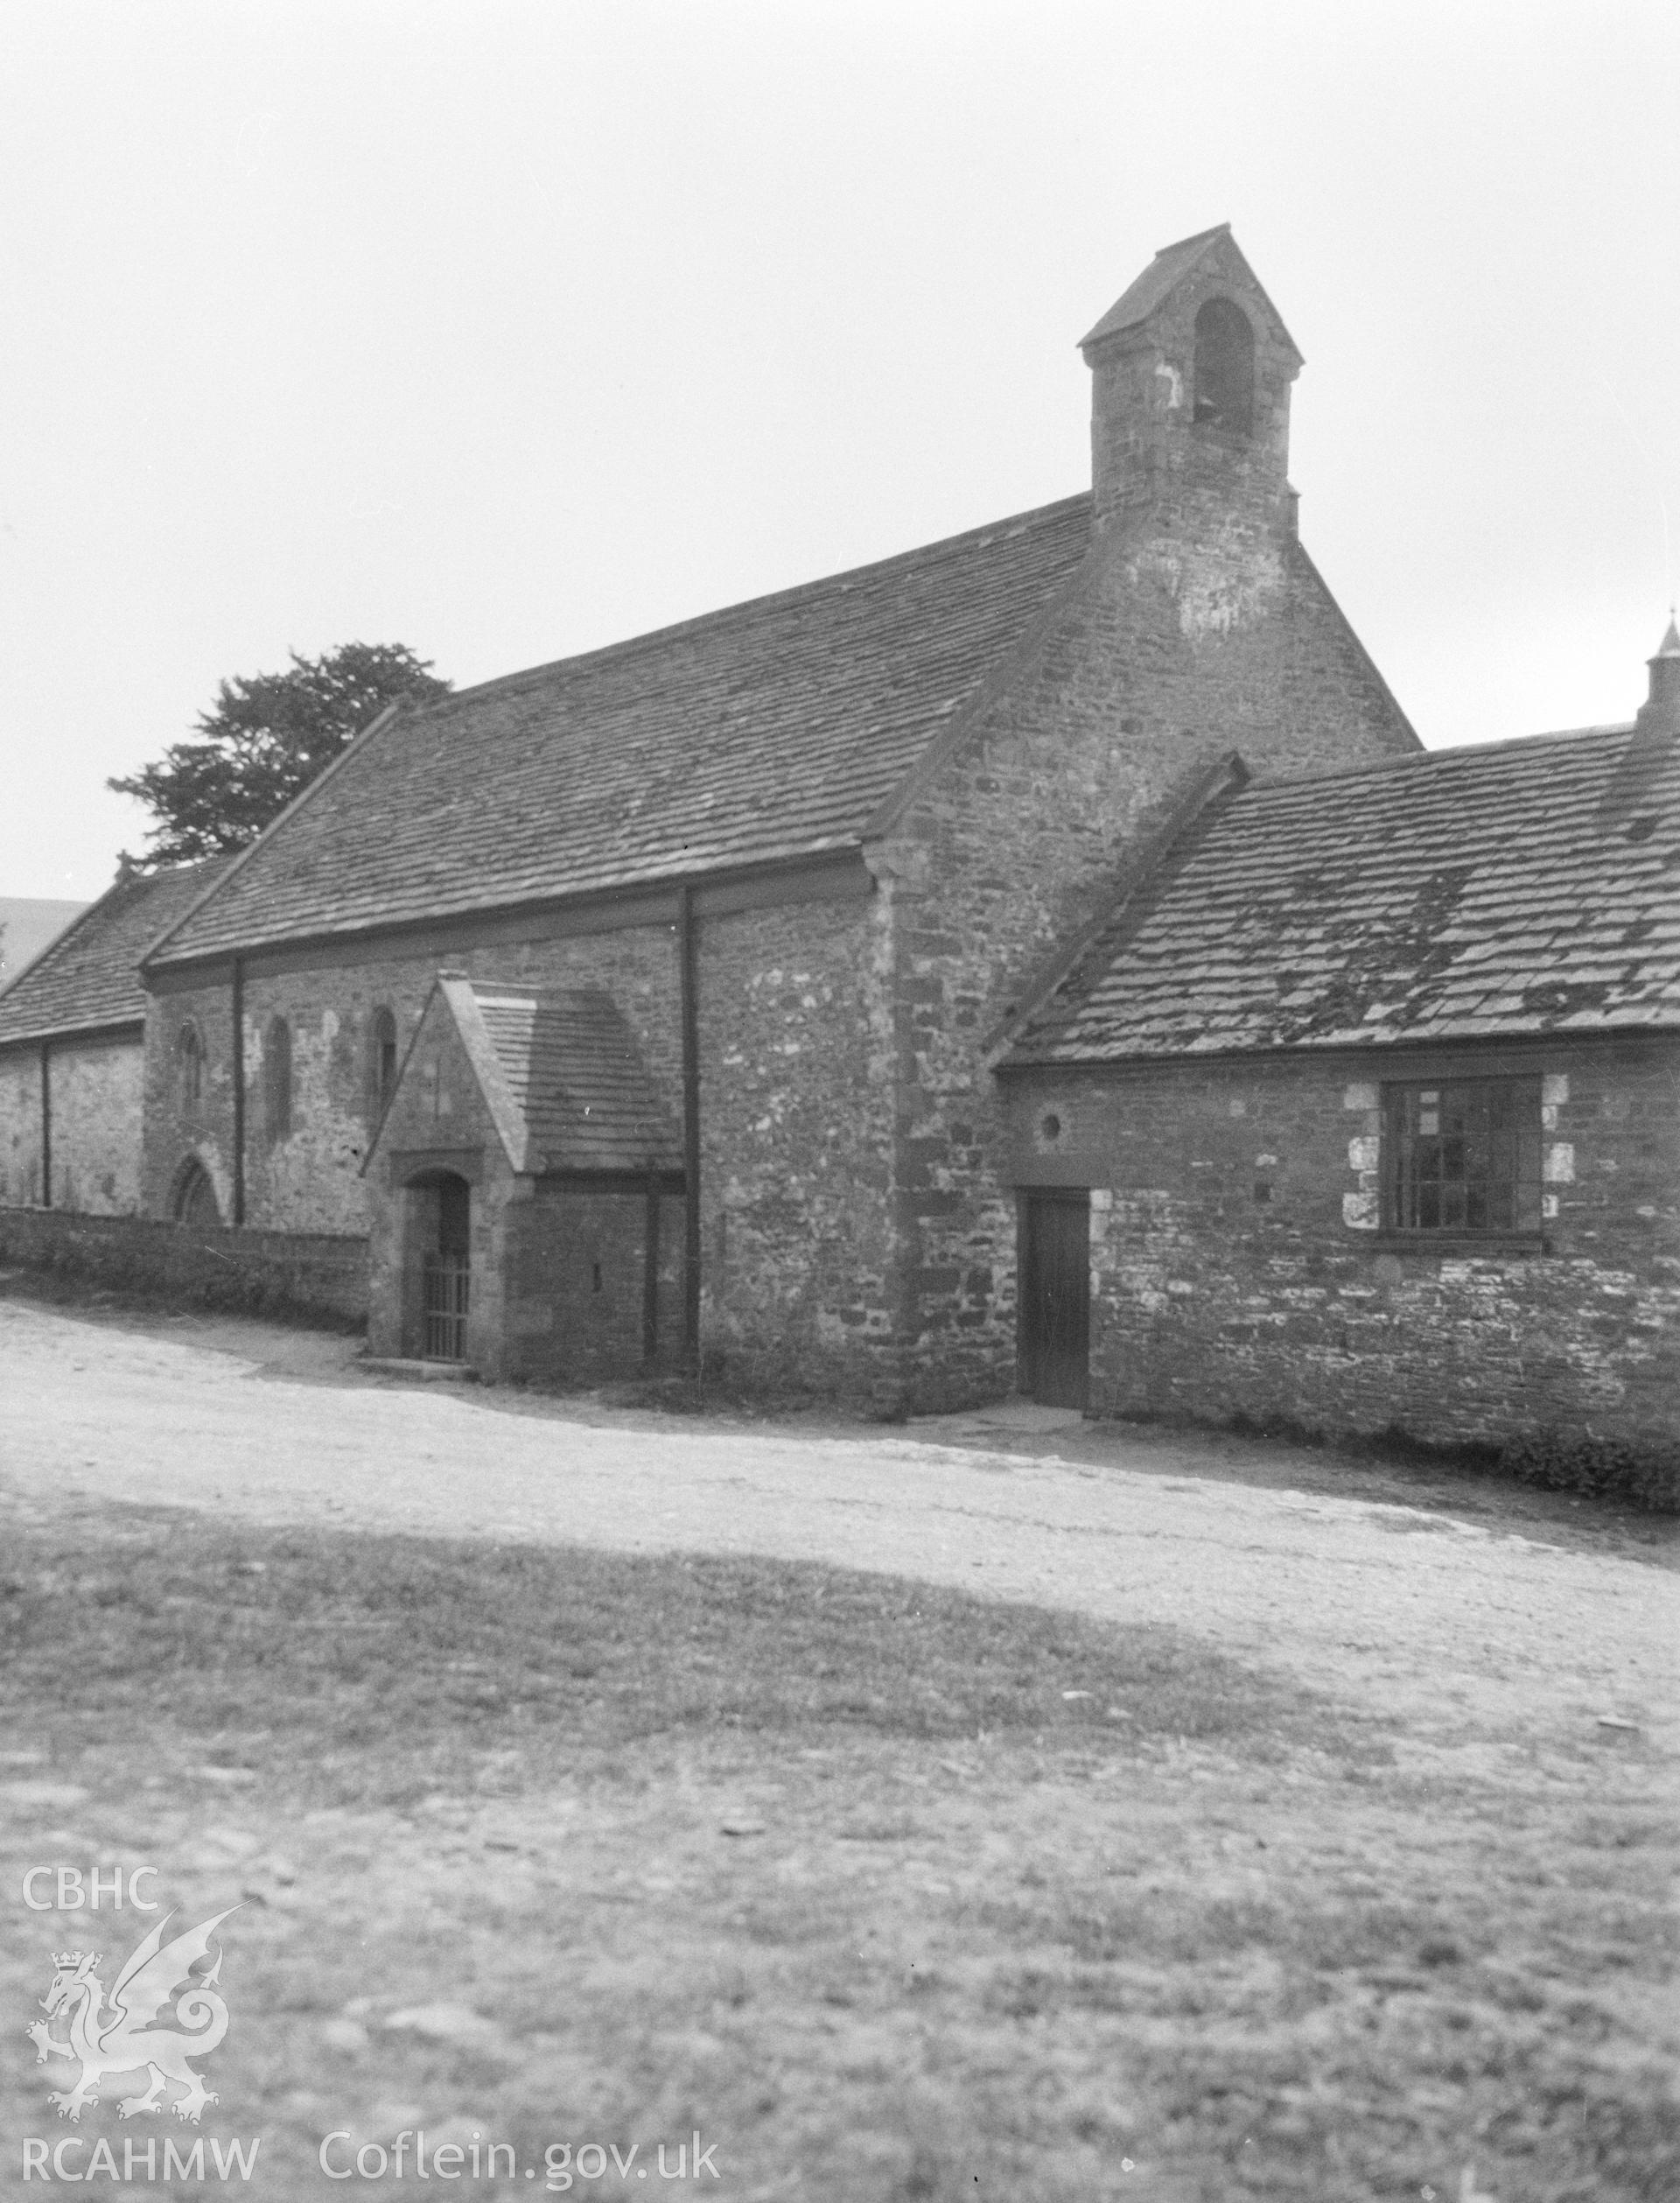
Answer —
(440, 1240)
(194, 1198)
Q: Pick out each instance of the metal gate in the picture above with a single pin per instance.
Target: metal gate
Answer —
(446, 1287)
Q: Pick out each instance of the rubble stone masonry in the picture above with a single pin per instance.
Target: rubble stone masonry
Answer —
(1239, 1266)
(94, 1086)
(795, 1099)
(1035, 823)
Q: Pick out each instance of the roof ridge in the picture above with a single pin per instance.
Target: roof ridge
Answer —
(1415, 759)
(1196, 237)
(58, 940)
(506, 683)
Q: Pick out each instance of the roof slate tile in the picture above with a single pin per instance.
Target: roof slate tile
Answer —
(1456, 894)
(583, 1095)
(774, 729)
(89, 977)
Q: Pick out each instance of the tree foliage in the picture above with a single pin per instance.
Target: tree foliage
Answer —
(263, 741)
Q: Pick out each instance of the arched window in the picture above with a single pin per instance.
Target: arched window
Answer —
(194, 1199)
(277, 1079)
(381, 1062)
(1224, 368)
(189, 1065)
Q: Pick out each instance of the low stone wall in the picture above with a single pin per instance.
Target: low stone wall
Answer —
(316, 1275)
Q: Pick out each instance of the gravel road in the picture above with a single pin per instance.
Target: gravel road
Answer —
(1466, 1631)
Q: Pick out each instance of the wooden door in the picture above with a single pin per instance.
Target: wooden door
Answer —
(1054, 1334)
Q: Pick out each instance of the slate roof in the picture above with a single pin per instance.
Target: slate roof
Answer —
(774, 729)
(578, 1080)
(1146, 293)
(1526, 887)
(89, 976)
(564, 1078)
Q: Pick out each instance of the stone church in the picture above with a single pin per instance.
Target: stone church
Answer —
(702, 993)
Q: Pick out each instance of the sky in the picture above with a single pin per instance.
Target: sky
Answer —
(506, 328)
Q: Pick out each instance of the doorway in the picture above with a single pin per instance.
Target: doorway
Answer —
(446, 1274)
(1053, 1333)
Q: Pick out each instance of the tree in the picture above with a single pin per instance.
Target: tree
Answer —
(264, 741)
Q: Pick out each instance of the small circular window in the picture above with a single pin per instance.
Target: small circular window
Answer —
(1050, 1124)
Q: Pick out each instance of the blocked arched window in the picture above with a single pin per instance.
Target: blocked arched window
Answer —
(189, 1065)
(194, 1197)
(1224, 367)
(381, 1062)
(277, 1079)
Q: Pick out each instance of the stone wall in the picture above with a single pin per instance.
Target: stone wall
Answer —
(1238, 1265)
(1035, 823)
(319, 1276)
(20, 1125)
(95, 1088)
(310, 1180)
(797, 1148)
(795, 1104)
(575, 1276)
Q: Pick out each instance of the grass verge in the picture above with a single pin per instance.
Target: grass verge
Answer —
(888, 1891)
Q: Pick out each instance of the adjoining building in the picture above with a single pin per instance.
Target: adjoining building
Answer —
(1363, 1109)
(73, 1054)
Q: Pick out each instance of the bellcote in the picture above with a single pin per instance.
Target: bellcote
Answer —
(1191, 369)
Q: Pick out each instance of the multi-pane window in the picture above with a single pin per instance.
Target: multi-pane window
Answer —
(1463, 1155)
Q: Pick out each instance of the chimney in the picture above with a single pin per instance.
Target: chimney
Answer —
(1661, 706)
(1656, 734)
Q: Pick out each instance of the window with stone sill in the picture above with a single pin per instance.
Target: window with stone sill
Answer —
(1462, 1156)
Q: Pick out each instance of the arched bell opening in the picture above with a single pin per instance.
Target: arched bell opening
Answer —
(1224, 368)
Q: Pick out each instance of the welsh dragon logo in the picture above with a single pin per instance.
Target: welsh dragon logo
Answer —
(117, 2036)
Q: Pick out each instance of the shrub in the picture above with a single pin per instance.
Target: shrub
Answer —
(1643, 1475)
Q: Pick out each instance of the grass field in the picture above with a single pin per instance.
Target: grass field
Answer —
(888, 1892)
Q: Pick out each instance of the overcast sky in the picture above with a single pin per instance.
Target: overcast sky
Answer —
(506, 330)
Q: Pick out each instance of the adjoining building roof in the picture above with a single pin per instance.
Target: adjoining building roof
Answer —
(28, 924)
(88, 977)
(1528, 886)
(774, 729)
(562, 1078)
